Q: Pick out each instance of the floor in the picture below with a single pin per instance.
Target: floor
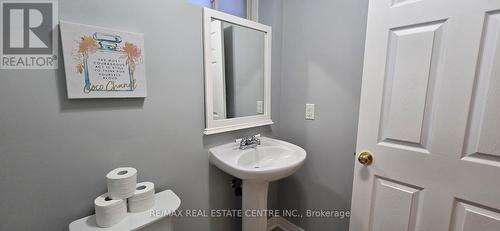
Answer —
(277, 229)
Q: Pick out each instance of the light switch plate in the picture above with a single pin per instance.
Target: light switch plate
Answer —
(260, 107)
(309, 111)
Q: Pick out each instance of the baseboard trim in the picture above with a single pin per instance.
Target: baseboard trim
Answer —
(272, 223)
(282, 223)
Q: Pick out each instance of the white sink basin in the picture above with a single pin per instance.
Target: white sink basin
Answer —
(272, 160)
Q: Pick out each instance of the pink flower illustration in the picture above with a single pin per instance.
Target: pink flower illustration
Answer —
(133, 55)
(86, 46)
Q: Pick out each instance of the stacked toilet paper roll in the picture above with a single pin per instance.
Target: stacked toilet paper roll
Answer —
(121, 182)
(109, 212)
(143, 198)
(111, 207)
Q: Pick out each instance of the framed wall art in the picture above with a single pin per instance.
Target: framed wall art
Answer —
(103, 63)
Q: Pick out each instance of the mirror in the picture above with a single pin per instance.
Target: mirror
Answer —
(238, 67)
(237, 72)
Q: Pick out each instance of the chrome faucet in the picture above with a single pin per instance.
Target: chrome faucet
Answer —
(249, 142)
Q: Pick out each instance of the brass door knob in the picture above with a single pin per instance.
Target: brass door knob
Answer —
(365, 158)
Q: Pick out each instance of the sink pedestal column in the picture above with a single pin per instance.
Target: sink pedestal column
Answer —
(254, 202)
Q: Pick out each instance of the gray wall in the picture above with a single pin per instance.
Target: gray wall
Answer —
(322, 64)
(55, 152)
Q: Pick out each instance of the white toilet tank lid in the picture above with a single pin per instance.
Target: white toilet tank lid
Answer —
(167, 202)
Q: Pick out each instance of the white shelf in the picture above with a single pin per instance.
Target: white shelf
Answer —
(166, 202)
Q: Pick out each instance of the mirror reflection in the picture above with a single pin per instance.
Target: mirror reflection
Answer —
(238, 59)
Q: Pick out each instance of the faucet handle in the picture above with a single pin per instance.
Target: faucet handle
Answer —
(254, 137)
(239, 140)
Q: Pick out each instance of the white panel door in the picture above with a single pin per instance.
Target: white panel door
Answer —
(430, 117)
(219, 84)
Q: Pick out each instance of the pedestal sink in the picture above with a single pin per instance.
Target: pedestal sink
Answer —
(270, 161)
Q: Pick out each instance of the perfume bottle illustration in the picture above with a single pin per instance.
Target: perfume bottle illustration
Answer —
(109, 63)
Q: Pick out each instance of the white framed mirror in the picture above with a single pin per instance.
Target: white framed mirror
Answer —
(237, 67)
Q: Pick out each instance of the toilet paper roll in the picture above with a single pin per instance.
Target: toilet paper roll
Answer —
(121, 182)
(109, 212)
(143, 198)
